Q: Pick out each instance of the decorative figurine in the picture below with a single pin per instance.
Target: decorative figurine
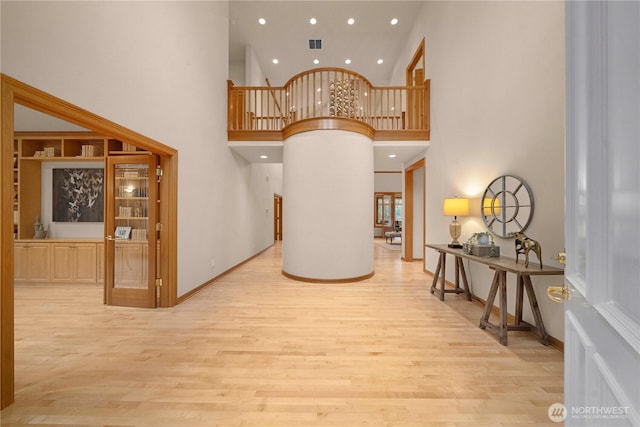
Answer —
(524, 245)
(39, 231)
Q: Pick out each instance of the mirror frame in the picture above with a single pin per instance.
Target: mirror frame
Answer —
(507, 206)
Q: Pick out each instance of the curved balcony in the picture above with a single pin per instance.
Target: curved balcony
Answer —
(328, 98)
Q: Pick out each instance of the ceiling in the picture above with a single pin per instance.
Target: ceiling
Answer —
(285, 36)
(287, 32)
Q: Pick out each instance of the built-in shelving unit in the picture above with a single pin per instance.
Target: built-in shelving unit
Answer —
(33, 148)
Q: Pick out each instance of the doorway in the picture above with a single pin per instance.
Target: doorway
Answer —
(277, 217)
(414, 208)
(14, 93)
(415, 77)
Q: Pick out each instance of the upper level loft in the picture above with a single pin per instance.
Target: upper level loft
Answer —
(328, 98)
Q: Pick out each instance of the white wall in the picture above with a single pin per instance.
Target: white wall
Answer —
(497, 107)
(58, 230)
(159, 68)
(387, 183)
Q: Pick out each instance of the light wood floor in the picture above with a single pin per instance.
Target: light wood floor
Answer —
(258, 349)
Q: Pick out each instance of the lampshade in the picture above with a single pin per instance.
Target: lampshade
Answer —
(455, 207)
(486, 206)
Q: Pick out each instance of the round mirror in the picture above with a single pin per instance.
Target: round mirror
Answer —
(507, 206)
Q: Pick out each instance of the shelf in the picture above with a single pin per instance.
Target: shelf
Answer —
(129, 218)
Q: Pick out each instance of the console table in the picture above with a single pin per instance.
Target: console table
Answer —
(501, 265)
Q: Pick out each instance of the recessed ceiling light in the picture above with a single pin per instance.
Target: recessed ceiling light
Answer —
(351, 21)
(316, 61)
(380, 61)
(392, 156)
(275, 60)
(312, 21)
(394, 21)
(347, 61)
(262, 21)
(264, 157)
(319, 89)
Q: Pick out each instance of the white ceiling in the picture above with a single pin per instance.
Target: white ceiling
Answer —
(287, 31)
(286, 35)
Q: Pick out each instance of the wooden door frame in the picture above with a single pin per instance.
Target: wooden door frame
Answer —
(418, 59)
(15, 92)
(277, 217)
(409, 196)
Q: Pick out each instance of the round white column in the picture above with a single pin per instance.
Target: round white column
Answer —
(328, 206)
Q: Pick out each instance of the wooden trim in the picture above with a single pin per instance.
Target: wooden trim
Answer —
(402, 135)
(333, 123)
(210, 282)
(408, 209)
(554, 342)
(417, 56)
(327, 70)
(16, 92)
(378, 135)
(254, 135)
(7, 377)
(168, 217)
(38, 100)
(314, 280)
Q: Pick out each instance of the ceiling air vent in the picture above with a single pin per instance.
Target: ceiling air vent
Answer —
(315, 44)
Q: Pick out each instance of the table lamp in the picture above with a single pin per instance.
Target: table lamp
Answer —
(455, 207)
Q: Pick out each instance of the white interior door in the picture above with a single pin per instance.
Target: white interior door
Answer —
(602, 231)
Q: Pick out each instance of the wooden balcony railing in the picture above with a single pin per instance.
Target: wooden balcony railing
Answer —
(328, 98)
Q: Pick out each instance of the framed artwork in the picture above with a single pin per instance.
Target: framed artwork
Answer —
(122, 232)
(78, 195)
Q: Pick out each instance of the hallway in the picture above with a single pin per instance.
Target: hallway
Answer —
(258, 349)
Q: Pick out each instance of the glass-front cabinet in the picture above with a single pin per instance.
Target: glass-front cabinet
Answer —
(130, 228)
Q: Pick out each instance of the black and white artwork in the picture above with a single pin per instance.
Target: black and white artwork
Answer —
(78, 195)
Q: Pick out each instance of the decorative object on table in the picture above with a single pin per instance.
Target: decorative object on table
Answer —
(39, 231)
(507, 206)
(524, 245)
(481, 244)
(455, 207)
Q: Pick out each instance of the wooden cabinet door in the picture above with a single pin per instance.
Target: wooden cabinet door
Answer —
(100, 262)
(85, 263)
(62, 262)
(39, 262)
(20, 262)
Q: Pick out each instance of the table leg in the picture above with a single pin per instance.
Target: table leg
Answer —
(519, 298)
(490, 299)
(544, 338)
(503, 308)
(442, 275)
(457, 274)
(437, 273)
(463, 273)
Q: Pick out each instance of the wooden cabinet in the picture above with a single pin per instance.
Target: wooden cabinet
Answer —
(32, 262)
(74, 262)
(58, 260)
(32, 148)
(100, 262)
